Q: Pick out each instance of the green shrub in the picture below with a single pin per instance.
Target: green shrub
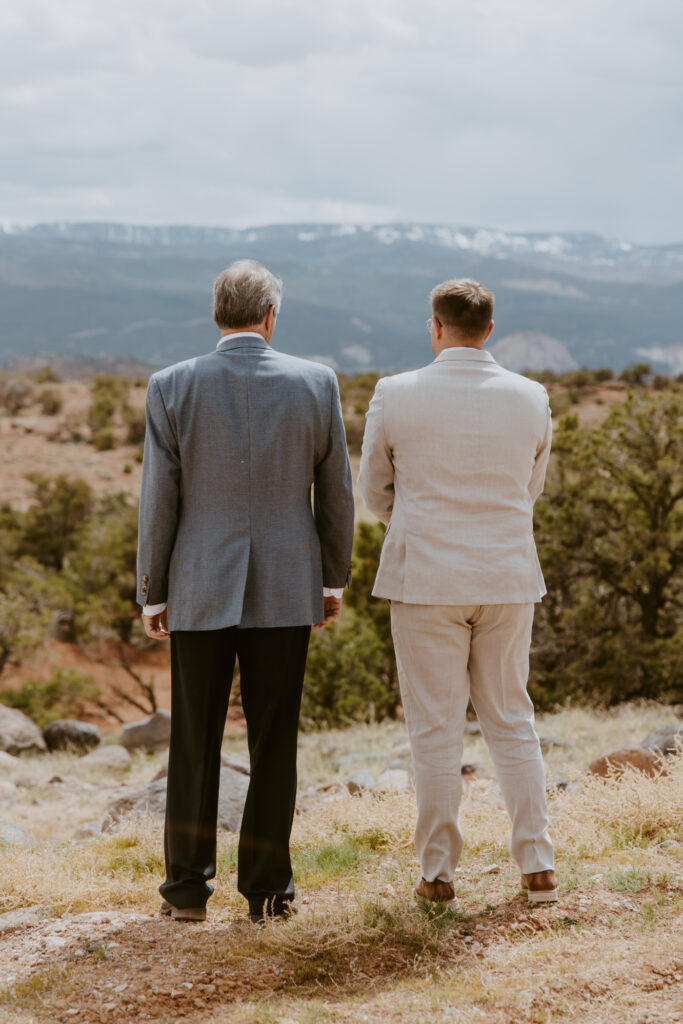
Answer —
(134, 418)
(45, 700)
(50, 401)
(15, 393)
(345, 678)
(105, 439)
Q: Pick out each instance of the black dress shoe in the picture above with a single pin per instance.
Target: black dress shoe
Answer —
(273, 909)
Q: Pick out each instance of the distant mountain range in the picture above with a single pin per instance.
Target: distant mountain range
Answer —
(356, 296)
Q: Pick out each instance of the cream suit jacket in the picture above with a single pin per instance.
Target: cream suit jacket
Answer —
(454, 456)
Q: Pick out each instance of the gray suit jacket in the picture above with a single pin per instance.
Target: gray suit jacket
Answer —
(227, 533)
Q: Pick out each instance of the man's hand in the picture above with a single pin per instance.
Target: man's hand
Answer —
(332, 607)
(156, 626)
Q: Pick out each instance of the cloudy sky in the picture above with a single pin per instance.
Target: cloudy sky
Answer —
(524, 114)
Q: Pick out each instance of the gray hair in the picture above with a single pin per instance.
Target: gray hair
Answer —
(243, 294)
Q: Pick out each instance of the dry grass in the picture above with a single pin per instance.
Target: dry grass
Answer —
(362, 949)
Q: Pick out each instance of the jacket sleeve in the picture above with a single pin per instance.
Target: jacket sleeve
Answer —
(376, 477)
(333, 505)
(542, 455)
(159, 501)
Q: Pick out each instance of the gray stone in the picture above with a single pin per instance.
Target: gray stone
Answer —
(238, 763)
(18, 734)
(69, 734)
(162, 773)
(151, 800)
(555, 782)
(667, 739)
(110, 759)
(360, 782)
(667, 844)
(358, 757)
(88, 830)
(148, 734)
(394, 780)
(13, 834)
(231, 799)
(7, 790)
(23, 917)
(8, 762)
(402, 763)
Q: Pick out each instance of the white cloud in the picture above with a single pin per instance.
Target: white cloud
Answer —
(532, 115)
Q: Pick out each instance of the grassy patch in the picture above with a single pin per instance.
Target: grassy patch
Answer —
(632, 881)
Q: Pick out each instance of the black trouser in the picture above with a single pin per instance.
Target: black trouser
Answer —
(272, 664)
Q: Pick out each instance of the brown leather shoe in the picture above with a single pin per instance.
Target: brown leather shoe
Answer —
(540, 887)
(182, 913)
(437, 891)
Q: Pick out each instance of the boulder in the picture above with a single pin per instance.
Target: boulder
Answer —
(12, 834)
(151, 800)
(88, 830)
(110, 759)
(394, 780)
(18, 734)
(238, 762)
(23, 917)
(69, 734)
(618, 761)
(667, 739)
(149, 733)
(8, 762)
(7, 790)
(360, 782)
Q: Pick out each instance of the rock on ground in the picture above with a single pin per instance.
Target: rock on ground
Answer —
(150, 733)
(69, 734)
(394, 780)
(12, 834)
(23, 917)
(8, 761)
(112, 759)
(360, 782)
(237, 762)
(151, 800)
(18, 734)
(667, 739)
(7, 790)
(617, 761)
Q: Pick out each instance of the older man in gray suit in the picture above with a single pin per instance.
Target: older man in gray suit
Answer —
(235, 561)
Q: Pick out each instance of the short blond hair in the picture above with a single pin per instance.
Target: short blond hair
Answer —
(243, 294)
(464, 304)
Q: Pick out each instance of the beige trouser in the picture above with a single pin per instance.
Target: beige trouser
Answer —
(445, 655)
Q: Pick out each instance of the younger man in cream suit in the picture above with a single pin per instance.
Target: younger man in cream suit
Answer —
(454, 456)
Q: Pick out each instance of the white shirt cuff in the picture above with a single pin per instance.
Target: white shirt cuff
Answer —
(156, 609)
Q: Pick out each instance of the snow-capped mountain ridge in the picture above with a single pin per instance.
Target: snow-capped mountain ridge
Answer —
(570, 247)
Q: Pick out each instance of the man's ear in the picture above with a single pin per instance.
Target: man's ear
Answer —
(489, 332)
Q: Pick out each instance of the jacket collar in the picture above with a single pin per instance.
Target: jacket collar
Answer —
(244, 339)
(459, 354)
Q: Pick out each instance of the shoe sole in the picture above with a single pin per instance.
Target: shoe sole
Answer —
(178, 914)
(542, 895)
(437, 903)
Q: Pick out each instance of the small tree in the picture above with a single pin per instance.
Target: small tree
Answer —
(52, 524)
(610, 538)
